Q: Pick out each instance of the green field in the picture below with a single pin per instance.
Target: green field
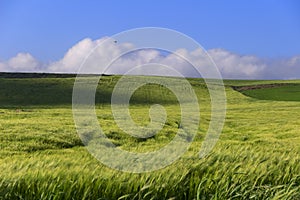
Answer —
(42, 157)
(282, 93)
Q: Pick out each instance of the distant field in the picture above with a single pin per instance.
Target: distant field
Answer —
(286, 92)
(42, 157)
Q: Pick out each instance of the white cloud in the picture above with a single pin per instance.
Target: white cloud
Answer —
(22, 62)
(75, 56)
(231, 65)
(2, 67)
(288, 68)
(134, 59)
(239, 67)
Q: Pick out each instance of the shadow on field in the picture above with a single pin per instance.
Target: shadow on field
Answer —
(45, 91)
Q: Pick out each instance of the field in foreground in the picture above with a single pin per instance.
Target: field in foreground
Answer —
(42, 157)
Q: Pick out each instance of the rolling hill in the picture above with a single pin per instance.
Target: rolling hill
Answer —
(42, 156)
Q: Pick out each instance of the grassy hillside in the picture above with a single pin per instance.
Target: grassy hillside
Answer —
(42, 157)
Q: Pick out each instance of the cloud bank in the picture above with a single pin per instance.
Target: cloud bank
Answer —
(230, 65)
(23, 62)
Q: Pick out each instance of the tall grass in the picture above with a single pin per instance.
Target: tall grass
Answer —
(42, 157)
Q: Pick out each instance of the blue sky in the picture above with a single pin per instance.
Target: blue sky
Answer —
(47, 29)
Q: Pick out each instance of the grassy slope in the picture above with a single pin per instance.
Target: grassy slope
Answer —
(42, 157)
